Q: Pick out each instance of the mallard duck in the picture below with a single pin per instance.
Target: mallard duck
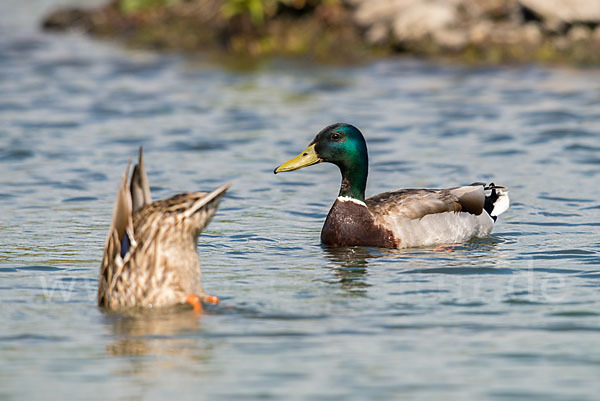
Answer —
(398, 219)
(150, 257)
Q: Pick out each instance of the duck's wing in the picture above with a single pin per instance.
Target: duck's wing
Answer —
(179, 214)
(119, 242)
(139, 187)
(417, 203)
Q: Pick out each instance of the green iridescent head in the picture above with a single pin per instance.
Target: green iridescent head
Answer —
(344, 146)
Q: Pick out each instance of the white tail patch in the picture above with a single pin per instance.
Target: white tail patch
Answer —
(502, 203)
(349, 199)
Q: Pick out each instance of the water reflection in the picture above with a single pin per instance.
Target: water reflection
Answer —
(349, 266)
(158, 332)
(478, 256)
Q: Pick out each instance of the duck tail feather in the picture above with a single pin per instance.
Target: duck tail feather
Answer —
(212, 199)
(139, 186)
(119, 241)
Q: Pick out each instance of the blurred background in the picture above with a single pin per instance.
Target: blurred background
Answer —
(446, 93)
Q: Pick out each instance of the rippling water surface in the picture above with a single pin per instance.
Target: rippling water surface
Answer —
(512, 316)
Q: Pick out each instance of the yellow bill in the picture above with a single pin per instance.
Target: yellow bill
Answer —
(307, 158)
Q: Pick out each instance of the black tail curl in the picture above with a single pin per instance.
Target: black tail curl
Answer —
(491, 199)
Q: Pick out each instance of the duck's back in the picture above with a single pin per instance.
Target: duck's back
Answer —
(424, 217)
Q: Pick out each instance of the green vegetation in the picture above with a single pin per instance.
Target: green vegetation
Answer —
(132, 6)
(321, 30)
(261, 10)
(257, 9)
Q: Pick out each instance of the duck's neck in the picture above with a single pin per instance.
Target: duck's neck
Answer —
(354, 179)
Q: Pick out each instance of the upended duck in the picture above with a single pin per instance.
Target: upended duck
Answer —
(150, 257)
(398, 219)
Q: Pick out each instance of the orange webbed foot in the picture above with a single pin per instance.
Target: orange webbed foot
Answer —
(195, 301)
(211, 299)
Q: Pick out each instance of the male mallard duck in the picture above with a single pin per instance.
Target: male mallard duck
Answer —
(399, 219)
(150, 256)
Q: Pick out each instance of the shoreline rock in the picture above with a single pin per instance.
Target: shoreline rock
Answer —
(483, 31)
(488, 31)
(312, 28)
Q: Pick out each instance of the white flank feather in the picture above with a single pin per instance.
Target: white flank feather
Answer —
(440, 228)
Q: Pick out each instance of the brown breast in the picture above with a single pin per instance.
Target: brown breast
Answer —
(351, 224)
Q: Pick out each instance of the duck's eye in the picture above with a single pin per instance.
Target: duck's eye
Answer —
(335, 136)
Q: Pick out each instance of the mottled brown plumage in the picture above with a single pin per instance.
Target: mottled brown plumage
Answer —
(150, 256)
(417, 203)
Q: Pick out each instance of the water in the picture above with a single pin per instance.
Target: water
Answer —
(513, 316)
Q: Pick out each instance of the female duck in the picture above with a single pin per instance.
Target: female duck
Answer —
(150, 256)
(398, 219)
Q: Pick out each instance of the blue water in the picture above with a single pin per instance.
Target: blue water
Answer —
(513, 316)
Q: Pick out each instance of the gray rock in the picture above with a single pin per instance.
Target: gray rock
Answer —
(579, 33)
(379, 11)
(532, 34)
(480, 32)
(565, 10)
(490, 8)
(377, 34)
(423, 19)
(449, 26)
(451, 39)
(596, 35)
